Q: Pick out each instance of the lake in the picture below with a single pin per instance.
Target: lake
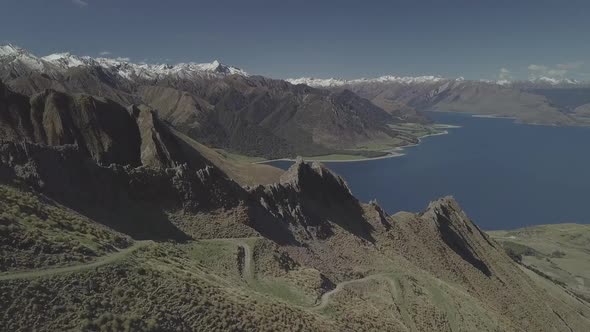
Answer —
(504, 175)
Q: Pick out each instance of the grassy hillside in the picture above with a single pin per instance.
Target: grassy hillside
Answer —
(240, 168)
(558, 252)
(159, 285)
(38, 232)
(238, 284)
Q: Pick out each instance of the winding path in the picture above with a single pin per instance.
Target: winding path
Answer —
(248, 271)
(102, 260)
(325, 299)
(242, 243)
(123, 253)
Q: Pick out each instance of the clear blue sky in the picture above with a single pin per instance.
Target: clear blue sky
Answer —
(339, 38)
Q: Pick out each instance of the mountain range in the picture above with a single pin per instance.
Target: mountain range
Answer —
(122, 209)
(228, 109)
(218, 105)
(542, 101)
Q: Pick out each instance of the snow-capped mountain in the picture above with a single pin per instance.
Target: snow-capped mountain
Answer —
(419, 80)
(334, 82)
(213, 103)
(555, 81)
(20, 60)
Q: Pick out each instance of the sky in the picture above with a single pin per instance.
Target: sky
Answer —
(475, 39)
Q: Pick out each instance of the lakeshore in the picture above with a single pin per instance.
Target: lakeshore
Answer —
(392, 153)
(468, 164)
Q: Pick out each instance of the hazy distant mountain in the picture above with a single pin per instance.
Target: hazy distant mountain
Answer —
(583, 110)
(219, 105)
(528, 101)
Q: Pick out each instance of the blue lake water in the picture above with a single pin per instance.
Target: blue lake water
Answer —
(504, 175)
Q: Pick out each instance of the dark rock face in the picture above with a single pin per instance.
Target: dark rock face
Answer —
(159, 148)
(310, 200)
(101, 128)
(131, 200)
(455, 231)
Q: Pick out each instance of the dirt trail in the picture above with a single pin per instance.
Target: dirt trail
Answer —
(248, 271)
(325, 299)
(103, 260)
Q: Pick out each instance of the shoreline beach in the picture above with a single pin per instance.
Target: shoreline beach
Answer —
(492, 116)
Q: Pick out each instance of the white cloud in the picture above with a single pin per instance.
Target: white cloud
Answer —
(534, 67)
(505, 74)
(123, 59)
(570, 65)
(80, 3)
(557, 72)
(105, 53)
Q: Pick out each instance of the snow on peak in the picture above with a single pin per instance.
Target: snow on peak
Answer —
(15, 54)
(7, 50)
(121, 66)
(497, 82)
(66, 60)
(317, 82)
(333, 82)
(405, 79)
(219, 67)
(554, 81)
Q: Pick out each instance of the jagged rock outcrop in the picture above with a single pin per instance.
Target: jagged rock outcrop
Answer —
(159, 147)
(310, 201)
(132, 200)
(101, 128)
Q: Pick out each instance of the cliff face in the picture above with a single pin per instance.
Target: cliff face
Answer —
(101, 128)
(138, 201)
(311, 202)
(159, 148)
